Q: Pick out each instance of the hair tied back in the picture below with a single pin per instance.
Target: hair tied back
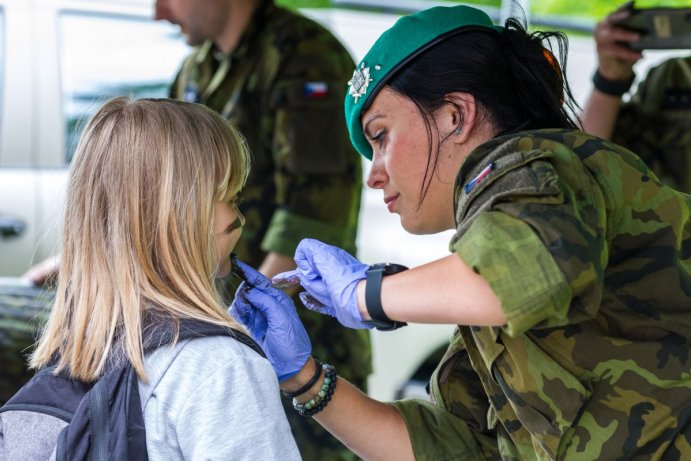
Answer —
(554, 64)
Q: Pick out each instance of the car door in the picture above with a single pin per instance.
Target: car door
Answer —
(60, 60)
(17, 182)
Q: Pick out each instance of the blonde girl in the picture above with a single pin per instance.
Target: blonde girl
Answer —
(150, 222)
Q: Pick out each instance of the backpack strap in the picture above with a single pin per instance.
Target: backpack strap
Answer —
(49, 394)
(190, 328)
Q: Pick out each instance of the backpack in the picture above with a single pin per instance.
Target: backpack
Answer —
(102, 420)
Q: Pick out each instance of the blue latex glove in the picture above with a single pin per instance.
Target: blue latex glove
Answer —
(270, 317)
(330, 275)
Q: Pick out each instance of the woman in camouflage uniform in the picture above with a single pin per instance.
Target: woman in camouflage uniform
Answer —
(569, 275)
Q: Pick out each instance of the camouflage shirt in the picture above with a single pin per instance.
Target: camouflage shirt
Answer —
(656, 122)
(590, 256)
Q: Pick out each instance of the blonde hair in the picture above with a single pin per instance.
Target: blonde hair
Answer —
(138, 226)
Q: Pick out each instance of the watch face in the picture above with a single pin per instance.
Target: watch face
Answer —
(387, 268)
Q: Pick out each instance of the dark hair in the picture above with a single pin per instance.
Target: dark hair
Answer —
(517, 82)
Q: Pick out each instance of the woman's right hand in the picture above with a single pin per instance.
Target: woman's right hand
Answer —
(270, 317)
(330, 276)
(614, 54)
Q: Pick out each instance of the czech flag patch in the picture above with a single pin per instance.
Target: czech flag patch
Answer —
(482, 175)
(316, 90)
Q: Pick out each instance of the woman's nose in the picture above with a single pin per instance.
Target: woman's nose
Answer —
(377, 177)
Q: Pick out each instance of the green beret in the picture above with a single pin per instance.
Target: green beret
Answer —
(406, 39)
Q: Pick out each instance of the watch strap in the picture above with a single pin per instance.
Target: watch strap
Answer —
(612, 87)
(373, 301)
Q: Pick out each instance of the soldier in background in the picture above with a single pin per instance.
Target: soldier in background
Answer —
(654, 123)
(280, 79)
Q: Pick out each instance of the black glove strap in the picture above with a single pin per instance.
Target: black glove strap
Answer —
(375, 275)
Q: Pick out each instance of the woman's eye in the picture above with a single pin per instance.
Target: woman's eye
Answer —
(378, 137)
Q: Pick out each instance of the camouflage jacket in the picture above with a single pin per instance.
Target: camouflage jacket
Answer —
(590, 256)
(656, 122)
(283, 88)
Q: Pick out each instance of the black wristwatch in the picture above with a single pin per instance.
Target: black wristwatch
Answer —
(375, 273)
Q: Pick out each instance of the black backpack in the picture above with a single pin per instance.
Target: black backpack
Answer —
(103, 420)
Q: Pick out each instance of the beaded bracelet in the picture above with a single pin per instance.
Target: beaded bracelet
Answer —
(321, 398)
(309, 383)
(612, 87)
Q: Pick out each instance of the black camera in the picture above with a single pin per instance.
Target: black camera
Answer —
(660, 28)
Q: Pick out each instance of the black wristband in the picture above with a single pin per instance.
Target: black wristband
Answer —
(375, 273)
(309, 383)
(612, 87)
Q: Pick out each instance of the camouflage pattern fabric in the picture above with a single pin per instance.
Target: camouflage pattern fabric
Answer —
(656, 122)
(22, 311)
(590, 256)
(283, 87)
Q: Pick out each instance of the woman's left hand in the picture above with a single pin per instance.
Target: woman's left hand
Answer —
(270, 316)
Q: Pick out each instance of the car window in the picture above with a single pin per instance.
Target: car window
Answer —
(106, 56)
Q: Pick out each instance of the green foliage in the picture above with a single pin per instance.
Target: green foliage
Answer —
(583, 9)
(327, 3)
(591, 10)
(295, 4)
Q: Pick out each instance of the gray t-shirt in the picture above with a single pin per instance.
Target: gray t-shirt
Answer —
(213, 398)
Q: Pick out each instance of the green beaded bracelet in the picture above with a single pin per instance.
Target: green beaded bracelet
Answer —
(323, 395)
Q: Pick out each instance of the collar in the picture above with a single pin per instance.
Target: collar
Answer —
(259, 19)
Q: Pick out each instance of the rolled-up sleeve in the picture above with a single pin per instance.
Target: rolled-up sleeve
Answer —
(520, 270)
(437, 434)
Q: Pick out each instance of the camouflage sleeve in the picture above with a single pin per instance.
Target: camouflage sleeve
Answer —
(316, 166)
(518, 267)
(286, 229)
(542, 250)
(437, 434)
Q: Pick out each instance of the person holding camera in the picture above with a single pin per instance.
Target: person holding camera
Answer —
(654, 122)
(614, 74)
